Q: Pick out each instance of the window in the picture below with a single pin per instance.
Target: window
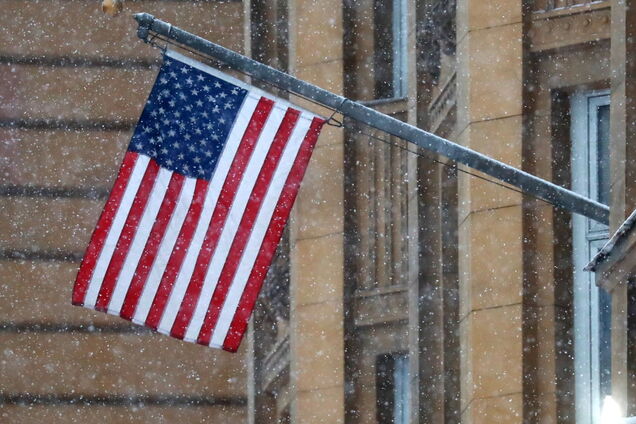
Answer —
(392, 388)
(592, 305)
(390, 37)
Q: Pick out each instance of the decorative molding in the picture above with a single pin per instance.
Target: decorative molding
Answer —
(381, 306)
(87, 193)
(567, 6)
(68, 124)
(443, 103)
(59, 61)
(571, 26)
(87, 328)
(275, 363)
(53, 255)
(31, 399)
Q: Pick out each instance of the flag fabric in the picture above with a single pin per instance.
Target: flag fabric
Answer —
(198, 207)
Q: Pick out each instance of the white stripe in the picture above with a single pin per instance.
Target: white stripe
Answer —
(261, 225)
(139, 241)
(233, 220)
(165, 251)
(115, 230)
(212, 196)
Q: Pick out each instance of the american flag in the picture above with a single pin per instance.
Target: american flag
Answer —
(198, 207)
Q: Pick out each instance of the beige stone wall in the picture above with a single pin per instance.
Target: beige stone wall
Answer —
(490, 71)
(316, 229)
(72, 85)
(623, 188)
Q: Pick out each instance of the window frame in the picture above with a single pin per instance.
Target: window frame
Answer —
(588, 237)
(398, 50)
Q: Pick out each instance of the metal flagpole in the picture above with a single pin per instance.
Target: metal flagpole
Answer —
(528, 183)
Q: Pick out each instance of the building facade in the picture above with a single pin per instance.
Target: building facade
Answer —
(407, 289)
(72, 85)
(410, 289)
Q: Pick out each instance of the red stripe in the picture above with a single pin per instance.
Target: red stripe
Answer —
(178, 254)
(272, 238)
(152, 246)
(98, 238)
(226, 197)
(247, 224)
(126, 236)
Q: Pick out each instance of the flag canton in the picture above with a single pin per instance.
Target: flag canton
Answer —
(187, 119)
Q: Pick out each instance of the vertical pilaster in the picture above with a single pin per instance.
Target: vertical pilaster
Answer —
(317, 258)
(623, 178)
(489, 111)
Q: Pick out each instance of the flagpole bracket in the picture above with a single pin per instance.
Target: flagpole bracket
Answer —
(145, 21)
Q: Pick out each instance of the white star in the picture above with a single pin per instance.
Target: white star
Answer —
(197, 131)
(182, 96)
(211, 99)
(169, 162)
(235, 91)
(206, 88)
(187, 136)
(173, 74)
(172, 133)
(163, 80)
(196, 159)
(215, 137)
(162, 110)
(180, 156)
(200, 77)
(189, 81)
(172, 103)
(192, 148)
(164, 151)
(184, 70)
(222, 120)
(199, 103)
(186, 168)
(177, 85)
(208, 153)
(205, 114)
(216, 109)
(194, 92)
(227, 105)
(222, 95)
(176, 145)
(217, 84)
(139, 146)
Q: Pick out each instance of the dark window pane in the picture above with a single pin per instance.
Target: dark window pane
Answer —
(383, 48)
(603, 154)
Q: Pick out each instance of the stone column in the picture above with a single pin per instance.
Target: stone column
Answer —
(489, 109)
(317, 260)
(623, 180)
